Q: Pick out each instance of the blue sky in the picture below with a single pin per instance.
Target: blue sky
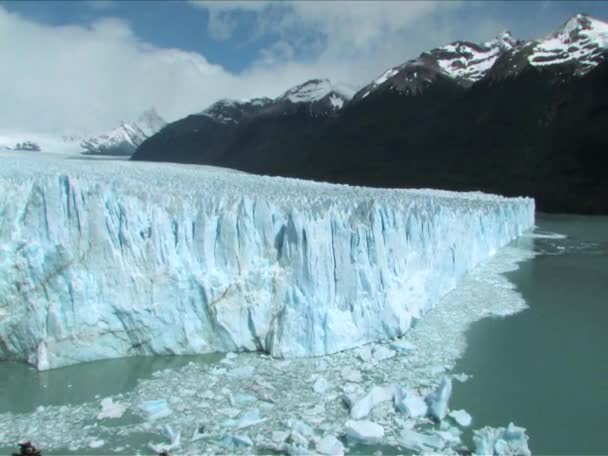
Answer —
(94, 62)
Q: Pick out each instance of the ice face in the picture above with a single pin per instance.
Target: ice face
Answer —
(117, 259)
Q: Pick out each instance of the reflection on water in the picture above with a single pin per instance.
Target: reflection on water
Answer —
(547, 367)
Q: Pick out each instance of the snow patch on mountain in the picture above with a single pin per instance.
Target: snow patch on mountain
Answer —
(471, 61)
(316, 90)
(228, 111)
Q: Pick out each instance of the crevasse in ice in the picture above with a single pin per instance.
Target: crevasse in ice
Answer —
(102, 259)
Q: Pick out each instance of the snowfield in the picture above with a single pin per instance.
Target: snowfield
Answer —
(103, 259)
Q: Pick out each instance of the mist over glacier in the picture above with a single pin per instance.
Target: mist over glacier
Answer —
(102, 259)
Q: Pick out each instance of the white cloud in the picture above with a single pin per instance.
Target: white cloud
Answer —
(58, 78)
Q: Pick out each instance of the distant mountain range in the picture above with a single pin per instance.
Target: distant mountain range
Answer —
(505, 116)
(124, 139)
(120, 141)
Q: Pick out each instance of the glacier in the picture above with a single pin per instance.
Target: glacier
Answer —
(104, 259)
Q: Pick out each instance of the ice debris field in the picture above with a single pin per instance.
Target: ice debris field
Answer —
(391, 396)
(102, 259)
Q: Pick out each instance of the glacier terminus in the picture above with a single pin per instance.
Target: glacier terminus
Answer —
(103, 259)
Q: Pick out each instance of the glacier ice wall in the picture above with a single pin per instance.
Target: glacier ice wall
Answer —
(102, 259)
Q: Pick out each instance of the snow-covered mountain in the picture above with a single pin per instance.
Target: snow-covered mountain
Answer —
(577, 47)
(228, 111)
(332, 95)
(462, 61)
(318, 97)
(124, 139)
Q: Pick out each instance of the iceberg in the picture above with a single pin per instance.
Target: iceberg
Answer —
(112, 259)
(512, 441)
(438, 399)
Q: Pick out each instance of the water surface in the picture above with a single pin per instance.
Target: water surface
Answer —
(546, 368)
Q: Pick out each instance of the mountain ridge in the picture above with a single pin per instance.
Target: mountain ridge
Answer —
(434, 122)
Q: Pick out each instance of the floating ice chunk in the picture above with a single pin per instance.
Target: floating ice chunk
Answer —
(461, 417)
(97, 444)
(218, 371)
(363, 406)
(365, 354)
(461, 377)
(301, 427)
(264, 384)
(174, 439)
(363, 431)
(417, 441)
(242, 372)
(156, 408)
(410, 403)
(241, 399)
(198, 433)
(279, 436)
(297, 450)
(511, 441)
(331, 446)
(350, 374)
(250, 418)
(451, 435)
(110, 409)
(229, 411)
(382, 352)
(232, 441)
(321, 385)
(437, 400)
(402, 345)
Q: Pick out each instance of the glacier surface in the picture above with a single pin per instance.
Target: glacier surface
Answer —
(103, 259)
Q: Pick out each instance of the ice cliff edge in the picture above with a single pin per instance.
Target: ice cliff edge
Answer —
(122, 259)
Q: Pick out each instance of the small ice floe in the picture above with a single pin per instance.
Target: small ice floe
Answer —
(501, 442)
(301, 428)
(198, 433)
(321, 385)
(461, 417)
(330, 446)
(110, 409)
(217, 371)
(451, 435)
(97, 444)
(422, 442)
(350, 374)
(242, 372)
(461, 377)
(410, 403)
(279, 436)
(249, 418)
(232, 441)
(438, 399)
(364, 405)
(241, 399)
(173, 437)
(402, 345)
(156, 408)
(382, 352)
(363, 431)
(264, 384)
(365, 354)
